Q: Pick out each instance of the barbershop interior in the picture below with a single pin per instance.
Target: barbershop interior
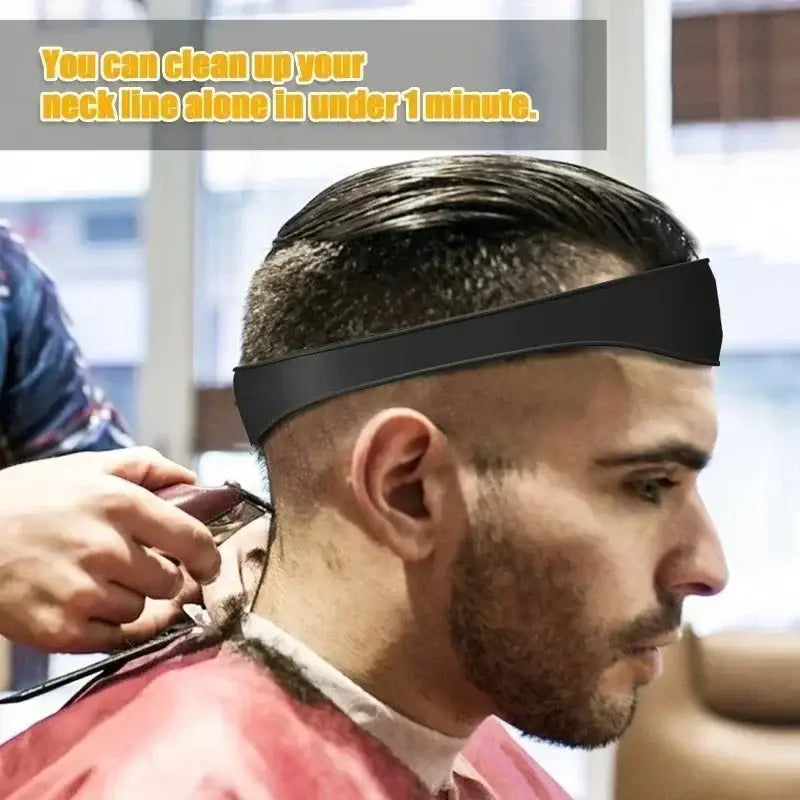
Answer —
(152, 252)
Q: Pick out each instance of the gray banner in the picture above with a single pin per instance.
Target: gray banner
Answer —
(304, 85)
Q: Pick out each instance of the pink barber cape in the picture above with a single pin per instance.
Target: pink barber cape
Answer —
(211, 725)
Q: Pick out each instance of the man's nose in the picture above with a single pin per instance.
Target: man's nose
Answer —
(695, 563)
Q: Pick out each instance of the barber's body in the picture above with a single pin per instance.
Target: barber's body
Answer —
(48, 404)
(77, 527)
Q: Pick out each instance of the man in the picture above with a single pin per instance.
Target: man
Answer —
(514, 540)
(75, 566)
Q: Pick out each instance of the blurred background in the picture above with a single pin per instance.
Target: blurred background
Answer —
(153, 251)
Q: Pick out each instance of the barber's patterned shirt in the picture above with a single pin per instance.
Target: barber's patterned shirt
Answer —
(48, 404)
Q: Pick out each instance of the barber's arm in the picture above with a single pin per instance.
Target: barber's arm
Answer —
(48, 404)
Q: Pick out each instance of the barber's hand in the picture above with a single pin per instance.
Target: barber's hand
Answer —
(242, 561)
(76, 547)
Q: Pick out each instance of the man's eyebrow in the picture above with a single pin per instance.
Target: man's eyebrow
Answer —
(681, 453)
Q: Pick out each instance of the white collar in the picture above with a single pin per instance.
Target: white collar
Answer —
(427, 753)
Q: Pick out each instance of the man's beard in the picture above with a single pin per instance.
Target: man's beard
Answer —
(523, 631)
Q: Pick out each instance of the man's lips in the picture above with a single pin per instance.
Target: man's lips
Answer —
(656, 643)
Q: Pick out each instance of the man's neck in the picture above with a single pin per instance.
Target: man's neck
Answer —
(427, 753)
(378, 653)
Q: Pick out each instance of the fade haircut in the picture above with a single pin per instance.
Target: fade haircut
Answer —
(425, 240)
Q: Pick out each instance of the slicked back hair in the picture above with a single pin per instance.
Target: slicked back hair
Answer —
(426, 240)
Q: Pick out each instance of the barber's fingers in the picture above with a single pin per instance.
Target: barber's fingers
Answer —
(229, 582)
(116, 604)
(153, 522)
(70, 626)
(142, 570)
(158, 615)
(119, 619)
(144, 466)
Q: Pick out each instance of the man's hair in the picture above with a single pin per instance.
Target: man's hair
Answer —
(425, 240)
(422, 241)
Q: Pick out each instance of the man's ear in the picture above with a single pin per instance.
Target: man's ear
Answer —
(398, 471)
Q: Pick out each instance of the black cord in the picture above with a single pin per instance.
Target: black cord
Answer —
(107, 664)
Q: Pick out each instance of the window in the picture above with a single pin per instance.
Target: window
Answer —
(750, 490)
(29, 221)
(105, 228)
(734, 186)
(118, 381)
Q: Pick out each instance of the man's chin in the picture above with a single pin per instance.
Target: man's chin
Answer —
(611, 717)
(597, 726)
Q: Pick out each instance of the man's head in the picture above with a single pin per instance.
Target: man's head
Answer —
(515, 534)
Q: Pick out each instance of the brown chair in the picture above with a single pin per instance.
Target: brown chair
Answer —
(721, 723)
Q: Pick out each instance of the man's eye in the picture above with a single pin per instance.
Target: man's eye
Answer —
(652, 490)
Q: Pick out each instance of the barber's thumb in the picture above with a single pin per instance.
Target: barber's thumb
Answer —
(229, 583)
(243, 559)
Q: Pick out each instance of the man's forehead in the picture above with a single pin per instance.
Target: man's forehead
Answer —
(664, 383)
(640, 399)
(612, 394)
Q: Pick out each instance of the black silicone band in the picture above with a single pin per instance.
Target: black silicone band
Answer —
(671, 311)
